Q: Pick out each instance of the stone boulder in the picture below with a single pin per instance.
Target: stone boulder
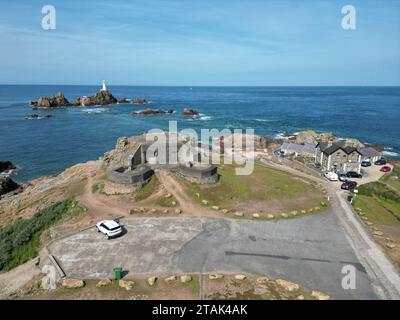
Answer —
(58, 100)
(7, 185)
(215, 276)
(185, 278)
(151, 281)
(189, 112)
(6, 165)
(170, 279)
(287, 285)
(72, 283)
(125, 284)
(319, 295)
(240, 277)
(103, 283)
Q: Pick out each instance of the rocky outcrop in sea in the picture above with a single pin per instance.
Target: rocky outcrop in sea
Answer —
(148, 112)
(100, 98)
(6, 165)
(58, 100)
(7, 185)
(189, 112)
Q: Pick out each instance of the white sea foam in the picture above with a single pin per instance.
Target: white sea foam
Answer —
(94, 110)
(390, 153)
(205, 118)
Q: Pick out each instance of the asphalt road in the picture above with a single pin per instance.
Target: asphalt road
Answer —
(310, 251)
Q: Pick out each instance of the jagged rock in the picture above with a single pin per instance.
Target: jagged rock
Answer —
(185, 278)
(390, 245)
(125, 284)
(256, 215)
(123, 100)
(215, 276)
(215, 208)
(178, 211)
(189, 112)
(139, 101)
(239, 214)
(319, 295)
(72, 283)
(308, 136)
(6, 165)
(284, 215)
(147, 112)
(36, 116)
(240, 277)
(270, 216)
(151, 281)
(287, 285)
(204, 202)
(58, 100)
(7, 185)
(103, 283)
(378, 233)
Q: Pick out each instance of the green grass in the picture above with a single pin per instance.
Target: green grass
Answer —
(20, 241)
(194, 284)
(263, 184)
(147, 190)
(393, 179)
(375, 209)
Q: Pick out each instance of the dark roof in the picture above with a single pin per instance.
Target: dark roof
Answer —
(369, 152)
(329, 148)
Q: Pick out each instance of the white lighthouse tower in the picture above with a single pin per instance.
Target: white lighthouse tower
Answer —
(104, 87)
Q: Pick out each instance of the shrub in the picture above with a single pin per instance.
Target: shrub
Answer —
(20, 241)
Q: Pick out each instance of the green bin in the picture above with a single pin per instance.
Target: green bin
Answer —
(117, 273)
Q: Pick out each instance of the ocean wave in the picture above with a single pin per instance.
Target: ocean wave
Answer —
(261, 120)
(95, 110)
(205, 118)
(390, 153)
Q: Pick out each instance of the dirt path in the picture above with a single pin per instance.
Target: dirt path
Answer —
(97, 209)
(176, 189)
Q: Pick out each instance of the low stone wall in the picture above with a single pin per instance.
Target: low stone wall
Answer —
(112, 188)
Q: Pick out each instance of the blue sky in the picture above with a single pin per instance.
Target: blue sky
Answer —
(207, 42)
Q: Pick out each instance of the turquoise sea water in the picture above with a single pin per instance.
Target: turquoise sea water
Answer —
(73, 135)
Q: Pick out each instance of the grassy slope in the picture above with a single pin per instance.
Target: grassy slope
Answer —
(263, 184)
(20, 241)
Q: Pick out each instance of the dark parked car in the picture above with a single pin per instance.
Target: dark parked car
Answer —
(348, 185)
(366, 163)
(353, 174)
(380, 162)
(386, 169)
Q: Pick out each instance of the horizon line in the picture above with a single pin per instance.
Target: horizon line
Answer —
(206, 86)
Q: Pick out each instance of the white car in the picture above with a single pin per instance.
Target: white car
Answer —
(331, 176)
(110, 228)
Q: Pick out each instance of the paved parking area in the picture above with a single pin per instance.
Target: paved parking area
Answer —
(310, 251)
